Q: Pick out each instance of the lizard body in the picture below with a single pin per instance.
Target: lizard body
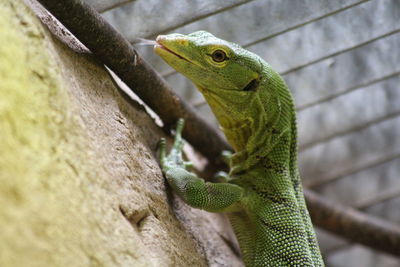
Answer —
(262, 195)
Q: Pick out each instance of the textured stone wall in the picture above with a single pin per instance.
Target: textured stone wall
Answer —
(79, 180)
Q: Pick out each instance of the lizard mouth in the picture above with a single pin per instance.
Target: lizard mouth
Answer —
(158, 45)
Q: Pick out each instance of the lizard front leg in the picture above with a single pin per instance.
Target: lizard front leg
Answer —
(215, 197)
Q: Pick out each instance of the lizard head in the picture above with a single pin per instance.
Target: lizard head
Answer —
(211, 63)
(226, 74)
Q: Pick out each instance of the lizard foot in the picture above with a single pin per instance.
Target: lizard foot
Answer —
(174, 158)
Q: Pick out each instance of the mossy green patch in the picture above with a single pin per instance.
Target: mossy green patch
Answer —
(50, 185)
(33, 117)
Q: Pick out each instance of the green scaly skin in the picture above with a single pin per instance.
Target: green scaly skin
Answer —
(262, 195)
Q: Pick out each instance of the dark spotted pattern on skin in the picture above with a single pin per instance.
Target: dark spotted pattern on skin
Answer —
(286, 202)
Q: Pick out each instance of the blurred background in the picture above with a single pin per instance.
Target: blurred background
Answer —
(341, 59)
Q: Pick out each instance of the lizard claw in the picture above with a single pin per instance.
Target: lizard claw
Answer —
(162, 147)
(187, 164)
(221, 177)
(178, 143)
(174, 157)
(179, 126)
(226, 156)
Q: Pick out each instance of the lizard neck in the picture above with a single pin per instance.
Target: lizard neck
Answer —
(248, 120)
(272, 122)
(239, 133)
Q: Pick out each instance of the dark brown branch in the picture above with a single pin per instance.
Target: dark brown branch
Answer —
(354, 225)
(116, 52)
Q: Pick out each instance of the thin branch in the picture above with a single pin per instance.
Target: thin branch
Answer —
(107, 7)
(195, 18)
(354, 225)
(354, 128)
(383, 197)
(304, 23)
(346, 91)
(387, 196)
(116, 52)
(354, 169)
(337, 53)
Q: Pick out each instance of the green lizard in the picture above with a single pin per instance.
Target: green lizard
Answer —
(262, 195)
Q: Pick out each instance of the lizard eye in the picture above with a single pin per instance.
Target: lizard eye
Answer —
(219, 56)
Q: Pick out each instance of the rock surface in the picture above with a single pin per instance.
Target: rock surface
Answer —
(79, 180)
